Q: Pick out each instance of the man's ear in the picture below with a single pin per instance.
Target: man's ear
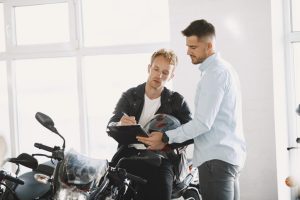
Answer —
(209, 46)
(149, 67)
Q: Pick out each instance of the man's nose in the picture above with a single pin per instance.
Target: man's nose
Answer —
(188, 52)
(160, 74)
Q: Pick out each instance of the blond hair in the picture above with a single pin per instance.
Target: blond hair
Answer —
(167, 54)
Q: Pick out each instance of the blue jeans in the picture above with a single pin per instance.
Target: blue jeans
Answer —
(219, 180)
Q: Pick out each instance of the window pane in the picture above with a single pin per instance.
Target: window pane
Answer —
(47, 86)
(42, 24)
(4, 116)
(130, 22)
(295, 15)
(2, 40)
(296, 48)
(106, 78)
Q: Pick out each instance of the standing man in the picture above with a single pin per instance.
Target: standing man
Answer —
(139, 105)
(219, 144)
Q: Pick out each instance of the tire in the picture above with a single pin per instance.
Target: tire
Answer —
(191, 194)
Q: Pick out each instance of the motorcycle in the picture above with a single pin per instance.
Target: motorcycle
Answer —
(75, 176)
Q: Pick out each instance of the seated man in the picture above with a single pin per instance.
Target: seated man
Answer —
(139, 105)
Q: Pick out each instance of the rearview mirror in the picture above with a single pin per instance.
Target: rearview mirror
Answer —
(46, 121)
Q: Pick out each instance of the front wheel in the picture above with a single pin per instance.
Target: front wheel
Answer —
(192, 194)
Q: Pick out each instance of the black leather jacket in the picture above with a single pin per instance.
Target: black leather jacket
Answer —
(172, 103)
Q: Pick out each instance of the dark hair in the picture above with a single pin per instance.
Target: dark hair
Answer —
(200, 28)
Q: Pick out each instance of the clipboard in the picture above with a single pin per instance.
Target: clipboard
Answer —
(126, 134)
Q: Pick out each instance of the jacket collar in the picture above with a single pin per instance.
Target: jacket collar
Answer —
(140, 90)
(165, 95)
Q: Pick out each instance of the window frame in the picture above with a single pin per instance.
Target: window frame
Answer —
(11, 42)
(74, 48)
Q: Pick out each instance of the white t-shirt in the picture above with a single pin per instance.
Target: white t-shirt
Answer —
(149, 110)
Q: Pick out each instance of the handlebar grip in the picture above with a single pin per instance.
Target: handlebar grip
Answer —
(136, 178)
(44, 147)
(15, 180)
(5, 176)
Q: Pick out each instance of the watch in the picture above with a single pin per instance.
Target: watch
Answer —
(165, 138)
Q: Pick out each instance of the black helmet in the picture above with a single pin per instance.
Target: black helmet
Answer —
(162, 123)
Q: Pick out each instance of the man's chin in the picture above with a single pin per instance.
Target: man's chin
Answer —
(157, 86)
(196, 62)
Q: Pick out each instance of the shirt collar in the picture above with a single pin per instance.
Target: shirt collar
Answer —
(206, 63)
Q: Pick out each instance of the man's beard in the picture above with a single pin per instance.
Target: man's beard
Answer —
(196, 61)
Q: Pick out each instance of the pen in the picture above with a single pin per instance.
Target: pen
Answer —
(124, 113)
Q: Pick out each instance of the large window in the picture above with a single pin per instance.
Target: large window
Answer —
(47, 86)
(72, 60)
(42, 24)
(118, 22)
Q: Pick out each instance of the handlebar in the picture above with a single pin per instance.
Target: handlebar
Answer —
(6, 176)
(44, 147)
(57, 152)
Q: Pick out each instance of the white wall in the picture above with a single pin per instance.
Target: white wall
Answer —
(244, 38)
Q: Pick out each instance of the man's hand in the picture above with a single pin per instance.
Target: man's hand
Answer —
(127, 120)
(153, 142)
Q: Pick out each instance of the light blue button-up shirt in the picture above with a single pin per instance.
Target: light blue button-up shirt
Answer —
(217, 124)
